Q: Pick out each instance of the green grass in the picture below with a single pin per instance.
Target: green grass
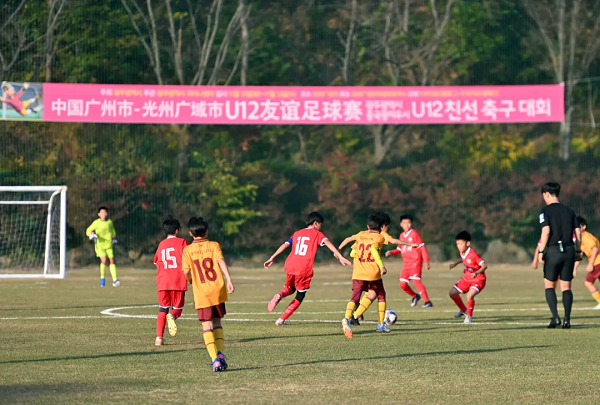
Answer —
(506, 356)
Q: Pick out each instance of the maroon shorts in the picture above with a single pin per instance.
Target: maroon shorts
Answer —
(594, 275)
(209, 313)
(360, 286)
(297, 282)
(171, 298)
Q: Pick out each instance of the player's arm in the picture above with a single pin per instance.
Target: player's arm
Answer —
(375, 255)
(394, 252)
(578, 255)
(336, 253)
(113, 231)
(283, 247)
(425, 255)
(592, 259)
(345, 242)
(186, 266)
(456, 263)
(543, 241)
(399, 242)
(90, 232)
(534, 264)
(481, 270)
(225, 270)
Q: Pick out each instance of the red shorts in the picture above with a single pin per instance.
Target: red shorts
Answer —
(594, 275)
(171, 298)
(209, 313)
(411, 271)
(299, 283)
(466, 283)
(360, 286)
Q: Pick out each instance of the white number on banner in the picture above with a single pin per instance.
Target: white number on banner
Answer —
(166, 257)
(301, 246)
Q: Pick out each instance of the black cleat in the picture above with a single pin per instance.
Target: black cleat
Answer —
(566, 324)
(354, 321)
(554, 323)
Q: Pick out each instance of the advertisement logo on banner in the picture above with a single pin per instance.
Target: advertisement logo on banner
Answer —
(266, 105)
(21, 101)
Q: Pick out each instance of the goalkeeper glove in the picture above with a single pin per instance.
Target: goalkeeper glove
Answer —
(25, 86)
(115, 241)
(93, 237)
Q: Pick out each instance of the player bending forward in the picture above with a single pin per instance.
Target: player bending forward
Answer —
(299, 264)
(205, 268)
(591, 247)
(366, 275)
(170, 280)
(13, 99)
(102, 233)
(473, 281)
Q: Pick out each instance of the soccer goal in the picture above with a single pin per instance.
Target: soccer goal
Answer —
(33, 231)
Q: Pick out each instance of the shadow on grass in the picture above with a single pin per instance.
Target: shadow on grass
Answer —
(97, 356)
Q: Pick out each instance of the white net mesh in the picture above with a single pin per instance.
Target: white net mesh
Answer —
(30, 232)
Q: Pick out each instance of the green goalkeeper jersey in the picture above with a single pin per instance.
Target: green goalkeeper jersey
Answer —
(105, 231)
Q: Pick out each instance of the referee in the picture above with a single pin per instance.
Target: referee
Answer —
(558, 253)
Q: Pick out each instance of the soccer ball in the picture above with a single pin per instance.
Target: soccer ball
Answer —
(390, 317)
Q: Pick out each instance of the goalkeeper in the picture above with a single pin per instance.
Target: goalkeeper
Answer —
(102, 233)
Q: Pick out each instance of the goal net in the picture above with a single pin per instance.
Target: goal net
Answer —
(33, 227)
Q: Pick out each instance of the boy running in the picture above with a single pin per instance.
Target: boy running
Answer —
(102, 233)
(299, 264)
(413, 257)
(590, 246)
(205, 268)
(170, 280)
(366, 274)
(473, 281)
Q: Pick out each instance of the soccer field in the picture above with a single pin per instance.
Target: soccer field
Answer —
(69, 341)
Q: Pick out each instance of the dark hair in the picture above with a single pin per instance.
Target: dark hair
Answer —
(582, 221)
(102, 208)
(171, 225)
(384, 218)
(314, 217)
(198, 226)
(464, 235)
(406, 216)
(374, 222)
(551, 187)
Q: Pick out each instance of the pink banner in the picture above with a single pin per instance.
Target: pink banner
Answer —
(265, 105)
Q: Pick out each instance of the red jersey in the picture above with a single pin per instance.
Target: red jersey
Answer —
(15, 102)
(168, 262)
(472, 262)
(305, 243)
(412, 255)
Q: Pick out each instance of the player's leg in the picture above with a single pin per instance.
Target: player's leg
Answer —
(404, 280)
(300, 294)
(416, 279)
(102, 255)
(205, 316)
(164, 302)
(218, 313)
(349, 318)
(473, 291)
(177, 299)
(454, 294)
(566, 276)
(378, 290)
(366, 301)
(590, 278)
(552, 266)
(113, 267)
(288, 289)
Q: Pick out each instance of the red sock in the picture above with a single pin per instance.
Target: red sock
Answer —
(422, 290)
(285, 291)
(470, 306)
(160, 324)
(176, 313)
(290, 309)
(406, 288)
(459, 302)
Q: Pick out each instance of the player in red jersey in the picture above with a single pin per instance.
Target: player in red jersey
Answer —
(170, 280)
(413, 261)
(299, 264)
(473, 281)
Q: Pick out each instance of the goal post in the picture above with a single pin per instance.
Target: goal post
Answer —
(33, 231)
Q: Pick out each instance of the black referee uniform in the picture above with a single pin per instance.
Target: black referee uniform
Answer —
(559, 256)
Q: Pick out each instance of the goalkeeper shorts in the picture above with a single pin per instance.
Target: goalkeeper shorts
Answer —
(100, 252)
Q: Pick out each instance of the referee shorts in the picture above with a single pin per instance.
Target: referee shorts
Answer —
(557, 263)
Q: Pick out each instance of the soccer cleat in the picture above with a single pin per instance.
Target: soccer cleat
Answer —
(281, 322)
(415, 300)
(116, 283)
(102, 282)
(347, 329)
(554, 323)
(223, 359)
(354, 321)
(216, 366)
(362, 317)
(459, 314)
(273, 303)
(468, 319)
(597, 306)
(566, 324)
(172, 325)
(159, 341)
(428, 304)
(383, 329)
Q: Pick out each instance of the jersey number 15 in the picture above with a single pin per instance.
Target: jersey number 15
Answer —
(169, 261)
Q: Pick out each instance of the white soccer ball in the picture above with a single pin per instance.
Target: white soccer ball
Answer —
(390, 317)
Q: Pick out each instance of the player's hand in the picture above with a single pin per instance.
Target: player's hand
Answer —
(268, 263)
(452, 265)
(230, 287)
(541, 258)
(344, 261)
(93, 236)
(25, 86)
(114, 241)
(388, 253)
(590, 267)
(428, 266)
(534, 265)
(473, 275)
(415, 245)
(383, 271)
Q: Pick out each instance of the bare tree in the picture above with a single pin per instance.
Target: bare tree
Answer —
(347, 41)
(245, 49)
(55, 9)
(13, 37)
(570, 31)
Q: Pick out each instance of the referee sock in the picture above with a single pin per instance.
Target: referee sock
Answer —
(552, 302)
(568, 303)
